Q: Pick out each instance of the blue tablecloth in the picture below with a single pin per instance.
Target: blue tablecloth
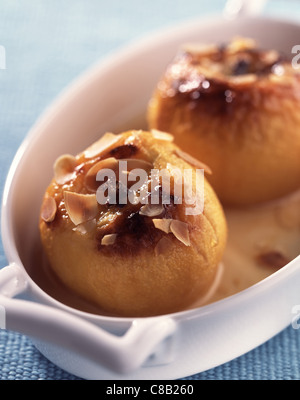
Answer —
(48, 44)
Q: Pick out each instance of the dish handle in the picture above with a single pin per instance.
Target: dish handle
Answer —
(121, 354)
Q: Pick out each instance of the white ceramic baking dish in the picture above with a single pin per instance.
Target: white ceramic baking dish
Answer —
(113, 96)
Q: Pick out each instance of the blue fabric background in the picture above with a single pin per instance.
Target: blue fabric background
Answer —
(48, 44)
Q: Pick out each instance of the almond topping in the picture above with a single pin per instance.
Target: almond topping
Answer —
(151, 210)
(108, 240)
(64, 168)
(90, 179)
(80, 207)
(244, 79)
(270, 57)
(240, 44)
(162, 246)
(162, 135)
(181, 231)
(49, 209)
(104, 143)
(162, 224)
(85, 227)
(200, 49)
(133, 163)
(193, 161)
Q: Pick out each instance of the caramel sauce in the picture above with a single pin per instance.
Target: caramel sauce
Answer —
(135, 232)
(124, 151)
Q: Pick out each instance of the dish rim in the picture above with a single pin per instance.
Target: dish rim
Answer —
(101, 66)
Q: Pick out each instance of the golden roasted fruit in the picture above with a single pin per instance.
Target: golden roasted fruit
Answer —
(132, 259)
(237, 109)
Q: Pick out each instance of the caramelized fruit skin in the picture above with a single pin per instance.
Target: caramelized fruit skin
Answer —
(239, 112)
(138, 274)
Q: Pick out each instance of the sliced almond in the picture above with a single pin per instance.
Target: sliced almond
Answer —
(113, 164)
(200, 49)
(108, 240)
(132, 171)
(90, 180)
(64, 168)
(193, 161)
(270, 57)
(247, 79)
(162, 224)
(240, 44)
(181, 231)
(151, 210)
(85, 227)
(136, 163)
(134, 139)
(162, 246)
(48, 210)
(104, 143)
(80, 207)
(162, 135)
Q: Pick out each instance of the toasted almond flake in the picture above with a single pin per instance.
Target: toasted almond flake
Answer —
(48, 210)
(64, 168)
(151, 210)
(90, 181)
(280, 78)
(137, 163)
(134, 138)
(162, 224)
(104, 143)
(270, 57)
(108, 240)
(239, 44)
(162, 135)
(85, 227)
(181, 231)
(201, 49)
(80, 207)
(247, 79)
(162, 246)
(193, 161)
